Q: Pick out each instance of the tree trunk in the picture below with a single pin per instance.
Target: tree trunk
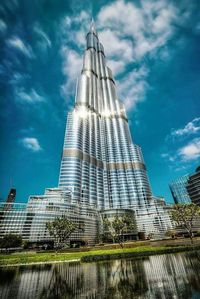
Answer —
(121, 244)
(191, 237)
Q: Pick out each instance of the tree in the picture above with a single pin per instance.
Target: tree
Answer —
(106, 230)
(185, 215)
(11, 241)
(171, 233)
(61, 229)
(129, 221)
(116, 227)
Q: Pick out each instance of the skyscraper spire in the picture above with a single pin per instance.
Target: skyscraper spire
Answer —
(92, 26)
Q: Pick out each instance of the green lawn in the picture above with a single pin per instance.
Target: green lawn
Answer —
(27, 257)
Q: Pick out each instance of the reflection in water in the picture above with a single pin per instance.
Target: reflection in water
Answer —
(163, 277)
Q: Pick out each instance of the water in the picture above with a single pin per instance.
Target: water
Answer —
(164, 276)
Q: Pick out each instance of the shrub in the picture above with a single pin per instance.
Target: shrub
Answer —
(11, 241)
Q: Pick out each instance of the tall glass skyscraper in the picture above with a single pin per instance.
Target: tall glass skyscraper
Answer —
(102, 171)
(100, 163)
(193, 187)
(179, 191)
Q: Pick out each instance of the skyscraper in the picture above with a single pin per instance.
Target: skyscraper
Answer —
(11, 195)
(186, 189)
(10, 199)
(100, 163)
(193, 186)
(179, 191)
(102, 171)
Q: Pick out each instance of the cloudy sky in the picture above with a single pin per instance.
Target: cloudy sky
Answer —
(153, 48)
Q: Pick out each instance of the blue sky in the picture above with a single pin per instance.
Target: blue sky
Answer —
(153, 48)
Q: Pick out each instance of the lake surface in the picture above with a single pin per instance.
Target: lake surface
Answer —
(164, 276)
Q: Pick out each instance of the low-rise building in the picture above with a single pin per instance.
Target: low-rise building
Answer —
(29, 220)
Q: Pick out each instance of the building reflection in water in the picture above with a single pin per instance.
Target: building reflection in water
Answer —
(164, 276)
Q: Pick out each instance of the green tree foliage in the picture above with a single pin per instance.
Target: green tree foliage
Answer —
(171, 233)
(61, 229)
(116, 227)
(129, 222)
(184, 215)
(11, 241)
(106, 230)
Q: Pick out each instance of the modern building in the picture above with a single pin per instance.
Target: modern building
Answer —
(101, 168)
(100, 163)
(179, 191)
(186, 189)
(129, 233)
(29, 220)
(10, 199)
(193, 186)
(11, 196)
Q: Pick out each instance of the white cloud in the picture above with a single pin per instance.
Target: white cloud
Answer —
(19, 78)
(191, 128)
(18, 44)
(43, 41)
(180, 168)
(116, 66)
(72, 63)
(30, 98)
(3, 26)
(73, 29)
(31, 143)
(40, 32)
(148, 27)
(115, 46)
(120, 15)
(185, 153)
(83, 17)
(168, 157)
(191, 151)
(133, 87)
(129, 32)
(72, 59)
(164, 155)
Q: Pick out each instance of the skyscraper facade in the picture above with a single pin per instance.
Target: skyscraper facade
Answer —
(179, 191)
(193, 186)
(100, 163)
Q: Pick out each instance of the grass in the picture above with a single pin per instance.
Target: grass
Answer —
(141, 251)
(137, 253)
